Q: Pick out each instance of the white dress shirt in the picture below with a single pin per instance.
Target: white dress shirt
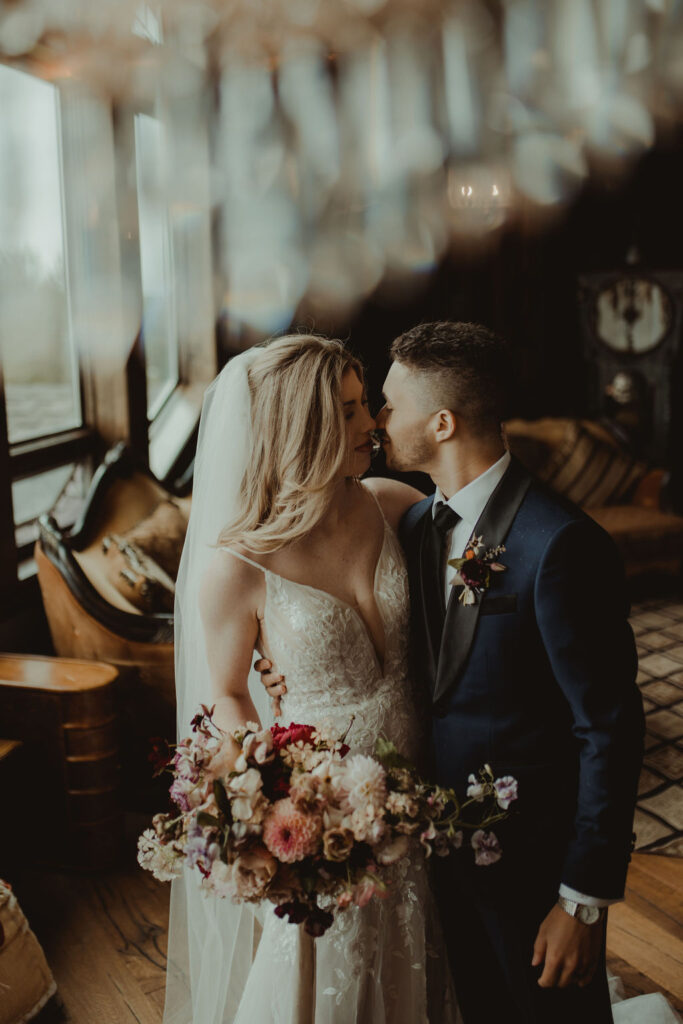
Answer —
(469, 503)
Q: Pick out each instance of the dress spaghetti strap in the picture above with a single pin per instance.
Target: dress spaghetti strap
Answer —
(243, 558)
(368, 490)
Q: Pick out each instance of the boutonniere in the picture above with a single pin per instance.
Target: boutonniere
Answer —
(473, 570)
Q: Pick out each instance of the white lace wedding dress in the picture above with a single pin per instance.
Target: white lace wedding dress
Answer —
(383, 963)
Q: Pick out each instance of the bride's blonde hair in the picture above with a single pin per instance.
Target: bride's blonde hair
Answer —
(299, 447)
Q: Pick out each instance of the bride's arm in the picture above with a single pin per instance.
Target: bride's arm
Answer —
(395, 498)
(229, 598)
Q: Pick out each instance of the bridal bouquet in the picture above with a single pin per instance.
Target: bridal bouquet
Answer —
(301, 822)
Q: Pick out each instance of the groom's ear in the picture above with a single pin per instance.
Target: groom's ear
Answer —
(446, 424)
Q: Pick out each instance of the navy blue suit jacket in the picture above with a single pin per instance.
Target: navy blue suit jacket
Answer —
(538, 679)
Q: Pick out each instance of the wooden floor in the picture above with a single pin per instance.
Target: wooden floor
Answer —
(105, 939)
(645, 932)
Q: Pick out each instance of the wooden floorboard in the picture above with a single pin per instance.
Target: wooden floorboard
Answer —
(645, 932)
(105, 939)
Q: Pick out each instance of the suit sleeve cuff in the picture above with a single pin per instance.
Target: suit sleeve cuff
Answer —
(587, 901)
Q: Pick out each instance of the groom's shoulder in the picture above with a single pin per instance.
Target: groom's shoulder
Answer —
(549, 513)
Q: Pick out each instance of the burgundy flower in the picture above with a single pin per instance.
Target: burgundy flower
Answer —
(293, 733)
(160, 755)
(293, 910)
(318, 921)
(475, 573)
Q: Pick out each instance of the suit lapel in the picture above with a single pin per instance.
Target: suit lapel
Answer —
(461, 620)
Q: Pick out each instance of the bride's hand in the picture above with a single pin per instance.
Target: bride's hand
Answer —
(273, 682)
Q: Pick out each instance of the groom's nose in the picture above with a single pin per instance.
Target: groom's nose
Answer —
(380, 417)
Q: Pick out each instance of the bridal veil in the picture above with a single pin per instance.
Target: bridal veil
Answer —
(211, 941)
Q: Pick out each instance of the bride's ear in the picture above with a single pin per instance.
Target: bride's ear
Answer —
(445, 425)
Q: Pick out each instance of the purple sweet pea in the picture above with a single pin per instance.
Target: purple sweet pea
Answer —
(506, 791)
(185, 765)
(475, 790)
(486, 848)
(457, 839)
(200, 850)
(179, 794)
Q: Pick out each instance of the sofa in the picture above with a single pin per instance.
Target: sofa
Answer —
(583, 460)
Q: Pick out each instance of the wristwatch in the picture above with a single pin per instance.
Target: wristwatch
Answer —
(582, 912)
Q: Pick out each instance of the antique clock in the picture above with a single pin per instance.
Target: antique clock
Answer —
(631, 324)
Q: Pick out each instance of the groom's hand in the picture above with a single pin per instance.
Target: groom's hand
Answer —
(568, 949)
(273, 682)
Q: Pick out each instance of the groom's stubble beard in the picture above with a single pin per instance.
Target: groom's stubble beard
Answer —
(411, 458)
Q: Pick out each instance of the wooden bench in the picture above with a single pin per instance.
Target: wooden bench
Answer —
(64, 712)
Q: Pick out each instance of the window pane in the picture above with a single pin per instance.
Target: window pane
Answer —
(61, 491)
(156, 261)
(36, 343)
(37, 494)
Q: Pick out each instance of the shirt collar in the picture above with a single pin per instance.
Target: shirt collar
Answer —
(469, 502)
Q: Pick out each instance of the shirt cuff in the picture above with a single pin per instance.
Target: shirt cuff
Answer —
(588, 901)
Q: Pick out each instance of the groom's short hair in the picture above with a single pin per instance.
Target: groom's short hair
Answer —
(466, 367)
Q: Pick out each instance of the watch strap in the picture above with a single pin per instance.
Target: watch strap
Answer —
(582, 911)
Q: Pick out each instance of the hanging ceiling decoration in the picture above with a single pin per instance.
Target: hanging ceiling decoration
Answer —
(354, 141)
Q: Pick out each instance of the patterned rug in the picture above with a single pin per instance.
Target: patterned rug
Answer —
(658, 628)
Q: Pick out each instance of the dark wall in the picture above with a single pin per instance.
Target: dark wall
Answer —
(525, 285)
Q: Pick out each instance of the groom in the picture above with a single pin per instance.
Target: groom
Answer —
(535, 677)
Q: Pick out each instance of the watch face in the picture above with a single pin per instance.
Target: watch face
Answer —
(632, 315)
(589, 915)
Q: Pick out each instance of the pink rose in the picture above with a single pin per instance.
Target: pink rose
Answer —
(337, 843)
(251, 873)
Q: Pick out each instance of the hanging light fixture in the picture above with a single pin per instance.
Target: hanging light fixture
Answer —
(352, 141)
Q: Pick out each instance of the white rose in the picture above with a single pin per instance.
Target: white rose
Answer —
(259, 746)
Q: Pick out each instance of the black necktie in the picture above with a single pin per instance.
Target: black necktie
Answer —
(433, 559)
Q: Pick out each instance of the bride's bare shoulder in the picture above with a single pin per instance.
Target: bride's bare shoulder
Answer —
(394, 497)
(229, 582)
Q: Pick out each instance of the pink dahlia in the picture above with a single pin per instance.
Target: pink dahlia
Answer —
(290, 834)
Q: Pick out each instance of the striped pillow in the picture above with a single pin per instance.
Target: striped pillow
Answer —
(591, 472)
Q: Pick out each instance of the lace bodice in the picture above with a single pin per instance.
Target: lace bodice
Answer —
(323, 647)
(375, 965)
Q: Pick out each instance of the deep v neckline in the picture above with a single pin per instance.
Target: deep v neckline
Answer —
(381, 663)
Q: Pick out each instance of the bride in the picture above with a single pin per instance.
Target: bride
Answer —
(288, 553)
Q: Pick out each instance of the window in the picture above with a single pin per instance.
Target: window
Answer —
(159, 322)
(39, 359)
(72, 168)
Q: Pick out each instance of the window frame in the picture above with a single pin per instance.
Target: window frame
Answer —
(113, 406)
